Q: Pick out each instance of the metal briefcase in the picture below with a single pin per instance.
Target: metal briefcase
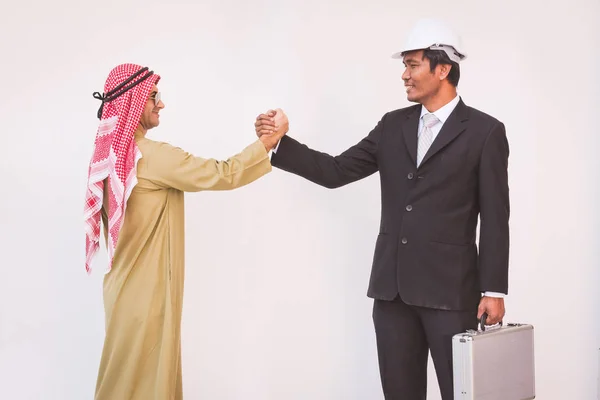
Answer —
(494, 363)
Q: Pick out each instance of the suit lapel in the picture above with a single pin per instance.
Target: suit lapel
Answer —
(409, 129)
(454, 126)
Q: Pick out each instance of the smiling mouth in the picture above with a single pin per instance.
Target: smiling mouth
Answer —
(409, 88)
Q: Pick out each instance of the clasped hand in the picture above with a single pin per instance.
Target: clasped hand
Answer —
(270, 127)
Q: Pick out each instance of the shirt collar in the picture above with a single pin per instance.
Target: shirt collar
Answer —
(443, 113)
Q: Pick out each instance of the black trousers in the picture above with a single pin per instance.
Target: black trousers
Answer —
(405, 335)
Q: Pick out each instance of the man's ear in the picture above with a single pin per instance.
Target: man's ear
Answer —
(444, 71)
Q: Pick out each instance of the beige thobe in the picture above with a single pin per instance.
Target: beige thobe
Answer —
(143, 292)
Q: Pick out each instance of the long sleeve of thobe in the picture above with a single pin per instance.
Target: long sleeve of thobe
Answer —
(172, 167)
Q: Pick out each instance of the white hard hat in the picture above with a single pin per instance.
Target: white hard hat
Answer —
(433, 34)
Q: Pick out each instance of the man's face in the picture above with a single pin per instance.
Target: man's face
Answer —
(150, 116)
(421, 84)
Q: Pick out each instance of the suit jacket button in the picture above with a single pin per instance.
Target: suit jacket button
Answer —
(404, 241)
(410, 175)
(409, 208)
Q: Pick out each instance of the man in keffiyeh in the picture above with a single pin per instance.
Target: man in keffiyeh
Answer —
(136, 187)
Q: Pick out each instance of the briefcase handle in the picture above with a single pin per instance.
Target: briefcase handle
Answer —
(483, 320)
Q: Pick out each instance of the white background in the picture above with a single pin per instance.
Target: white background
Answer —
(275, 305)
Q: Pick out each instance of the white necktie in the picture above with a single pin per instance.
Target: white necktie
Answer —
(425, 136)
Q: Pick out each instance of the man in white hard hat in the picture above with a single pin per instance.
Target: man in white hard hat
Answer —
(442, 165)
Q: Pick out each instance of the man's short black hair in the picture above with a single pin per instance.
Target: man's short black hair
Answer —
(437, 57)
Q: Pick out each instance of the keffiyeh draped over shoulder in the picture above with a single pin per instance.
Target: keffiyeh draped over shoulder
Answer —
(115, 154)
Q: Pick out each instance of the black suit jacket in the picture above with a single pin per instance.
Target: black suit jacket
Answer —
(426, 249)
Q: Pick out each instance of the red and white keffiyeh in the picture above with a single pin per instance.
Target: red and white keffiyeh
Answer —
(115, 153)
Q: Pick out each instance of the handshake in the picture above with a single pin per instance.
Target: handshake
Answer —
(270, 127)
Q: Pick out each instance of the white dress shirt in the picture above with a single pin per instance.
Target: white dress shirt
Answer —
(442, 114)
